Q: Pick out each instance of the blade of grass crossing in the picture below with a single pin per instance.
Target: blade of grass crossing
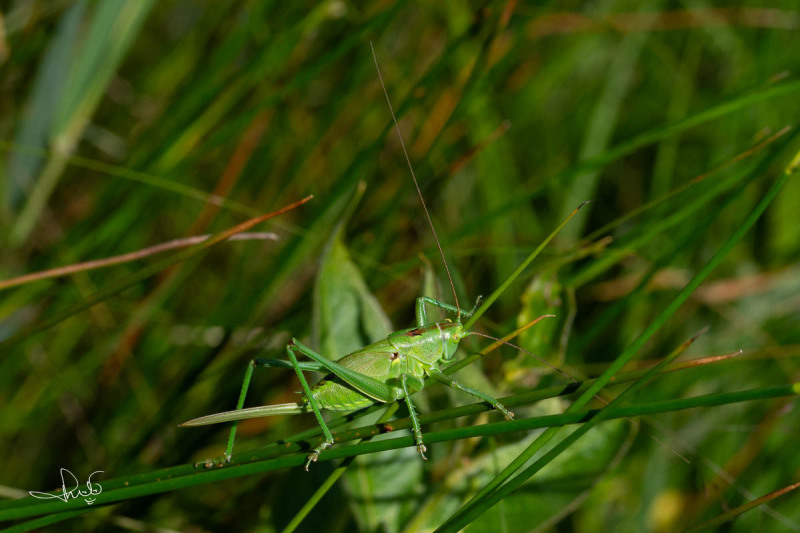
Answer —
(142, 274)
(491, 495)
(706, 196)
(125, 488)
(514, 275)
(627, 147)
(333, 477)
(733, 513)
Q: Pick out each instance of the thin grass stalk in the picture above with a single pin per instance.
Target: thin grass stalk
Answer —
(492, 494)
(150, 484)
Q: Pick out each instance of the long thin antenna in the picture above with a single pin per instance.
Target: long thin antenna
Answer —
(416, 184)
(527, 352)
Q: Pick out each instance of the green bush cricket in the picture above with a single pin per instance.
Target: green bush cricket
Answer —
(385, 371)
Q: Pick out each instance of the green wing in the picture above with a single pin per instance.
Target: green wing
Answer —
(372, 364)
(335, 394)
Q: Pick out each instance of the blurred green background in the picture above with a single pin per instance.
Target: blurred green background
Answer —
(124, 124)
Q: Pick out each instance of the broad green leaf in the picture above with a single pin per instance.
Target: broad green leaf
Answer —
(348, 317)
(544, 295)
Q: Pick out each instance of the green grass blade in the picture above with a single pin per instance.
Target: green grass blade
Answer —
(185, 476)
(491, 496)
(43, 102)
(142, 274)
(111, 32)
(519, 270)
(38, 523)
(636, 143)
